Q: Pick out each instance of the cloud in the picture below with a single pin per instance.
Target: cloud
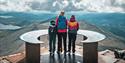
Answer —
(101, 5)
(61, 4)
(68, 5)
(14, 6)
(17, 5)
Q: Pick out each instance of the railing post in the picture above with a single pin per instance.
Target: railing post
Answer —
(32, 53)
(90, 53)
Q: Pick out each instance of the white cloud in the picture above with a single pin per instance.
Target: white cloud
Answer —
(55, 3)
(83, 5)
(14, 6)
(100, 5)
(17, 5)
(65, 3)
(61, 4)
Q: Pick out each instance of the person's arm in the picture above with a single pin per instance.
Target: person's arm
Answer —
(77, 26)
(67, 23)
(48, 33)
(55, 29)
(56, 21)
(48, 30)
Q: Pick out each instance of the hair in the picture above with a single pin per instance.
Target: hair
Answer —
(73, 16)
(52, 21)
(62, 12)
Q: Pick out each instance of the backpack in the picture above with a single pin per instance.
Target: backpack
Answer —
(62, 22)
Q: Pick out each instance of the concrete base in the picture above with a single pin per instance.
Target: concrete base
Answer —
(32, 53)
(90, 54)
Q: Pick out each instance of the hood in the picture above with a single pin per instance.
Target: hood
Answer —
(52, 23)
(72, 19)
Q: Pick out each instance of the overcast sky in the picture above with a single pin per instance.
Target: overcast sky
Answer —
(68, 5)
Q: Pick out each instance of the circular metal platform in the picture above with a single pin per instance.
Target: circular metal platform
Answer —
(32, 36)
(90, 46)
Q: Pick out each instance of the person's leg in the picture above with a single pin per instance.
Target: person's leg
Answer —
(64, 41)
(50, 44)
(59, 42)
(54, 42)
(69, 44)
(73, 42)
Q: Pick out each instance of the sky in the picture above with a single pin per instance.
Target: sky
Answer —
(67, 5)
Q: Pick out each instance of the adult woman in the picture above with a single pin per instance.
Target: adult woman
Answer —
(61, 23)
(73, 27)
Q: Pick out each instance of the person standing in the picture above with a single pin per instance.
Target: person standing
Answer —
(73, 27)
(61, 23)
(52, 30)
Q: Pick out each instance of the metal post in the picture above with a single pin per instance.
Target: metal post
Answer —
(90, 53)
(32, 53)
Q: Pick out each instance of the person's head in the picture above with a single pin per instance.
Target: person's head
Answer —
(72, 19)
(52, 22)
(62, 13)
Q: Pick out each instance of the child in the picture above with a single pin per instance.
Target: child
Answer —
(73, 27)
(52, 37)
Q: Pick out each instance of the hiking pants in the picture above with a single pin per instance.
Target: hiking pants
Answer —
(62, 37)
(72, 39)
(52, 42)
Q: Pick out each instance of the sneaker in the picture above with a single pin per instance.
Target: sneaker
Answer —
(58, 52)
(53, 52)
(73, 52)
(50, 52)
(64, 52)
(69, 52)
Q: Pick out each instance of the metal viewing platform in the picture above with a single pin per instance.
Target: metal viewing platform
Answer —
(90, 45)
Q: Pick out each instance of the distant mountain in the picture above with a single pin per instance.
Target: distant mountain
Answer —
(11, 27)
(9, 39)
(10, 42)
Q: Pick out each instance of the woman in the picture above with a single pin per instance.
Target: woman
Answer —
(73, 27)
(61, 23)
